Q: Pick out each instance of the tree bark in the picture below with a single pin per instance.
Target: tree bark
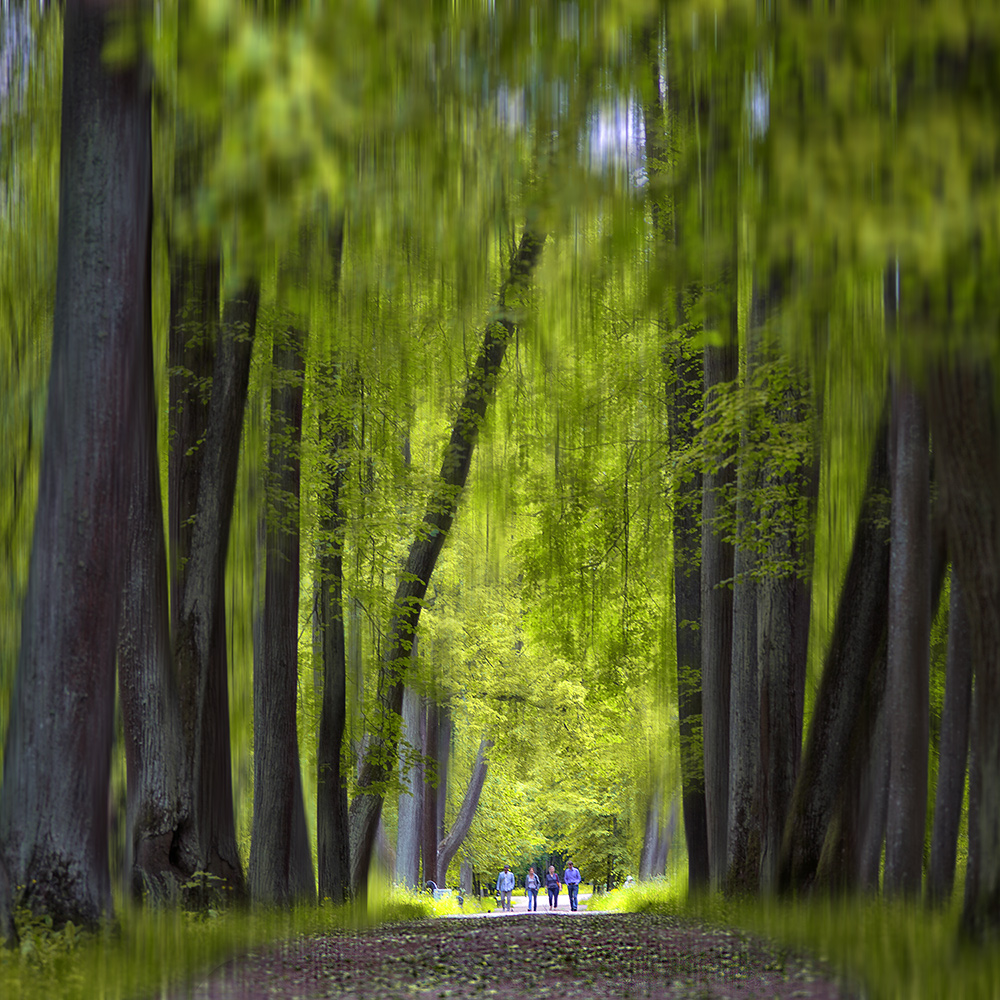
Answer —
(965, 421)
(333, 840)
(953, 754)
(449, 846)
(280, 858)
(54, 798)
(154, 742)
(717, 616)
(908, 664)
(744, 810)
(409, 811)
(379, 759)
(428, 799)
(858, 632)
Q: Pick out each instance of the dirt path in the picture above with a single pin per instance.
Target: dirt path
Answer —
(573, 956)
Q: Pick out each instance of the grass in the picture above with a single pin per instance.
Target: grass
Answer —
(147, 951)
(890, 950)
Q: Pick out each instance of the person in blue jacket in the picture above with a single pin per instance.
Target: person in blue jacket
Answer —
(505, 886)
(572, 878)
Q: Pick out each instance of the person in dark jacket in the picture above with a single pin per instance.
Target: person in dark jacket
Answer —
(552, 883)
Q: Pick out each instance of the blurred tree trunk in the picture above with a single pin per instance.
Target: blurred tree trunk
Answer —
(409, 811)
(54, 797)
(953, 754)
(717, 564)
(742, 871)
(280, 857)
(908, 661)
(335, 425)
(858, 632)
(683, 376)
(965, 421)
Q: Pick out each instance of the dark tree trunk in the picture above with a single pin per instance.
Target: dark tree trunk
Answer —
(965, 421)
(744, 830)
(908, 664)
(858, 634)
(333, 841)
(54, 798)
(154, 742)
(954, 750)
(717, 558)
(207, 840)
(783, 630)
(683, 378)
(449, 846)
(280, 858)
(366, 809)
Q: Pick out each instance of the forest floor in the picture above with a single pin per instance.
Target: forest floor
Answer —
(547, 954)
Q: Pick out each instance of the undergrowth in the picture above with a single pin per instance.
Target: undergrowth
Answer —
(147, 951)
(884, 951)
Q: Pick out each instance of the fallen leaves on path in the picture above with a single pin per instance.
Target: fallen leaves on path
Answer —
(573, 957)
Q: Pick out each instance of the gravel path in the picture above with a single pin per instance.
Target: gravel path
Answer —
(572, 956)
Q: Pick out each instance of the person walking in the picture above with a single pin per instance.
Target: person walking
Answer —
(505, 886)
(572, 878)
(532, 883)
(552, 883)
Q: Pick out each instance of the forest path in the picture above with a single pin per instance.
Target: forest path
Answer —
(572, 956)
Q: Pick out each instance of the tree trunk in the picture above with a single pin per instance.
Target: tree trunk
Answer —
(954, 750)
(366, 809)
(428, 816)
(858, 632)
(207, 840)
(965, 420)
(449, 846)
(54, 797)
(280, 857)
(650, 835)
(742, 871)
(908, 677)
(717, 617)
(154, 742)
(409, 811)
(783, 624)
(333, 840)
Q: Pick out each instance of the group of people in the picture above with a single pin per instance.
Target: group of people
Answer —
(533, 882)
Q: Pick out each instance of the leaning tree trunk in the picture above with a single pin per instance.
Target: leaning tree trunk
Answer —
(366, 809)
(965, 421)
(448, 847)
(281, 869)
(858, 632)
(908, 661)
(54, 798)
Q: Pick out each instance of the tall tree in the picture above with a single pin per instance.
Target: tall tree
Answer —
(54, 799)
(378, 761)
